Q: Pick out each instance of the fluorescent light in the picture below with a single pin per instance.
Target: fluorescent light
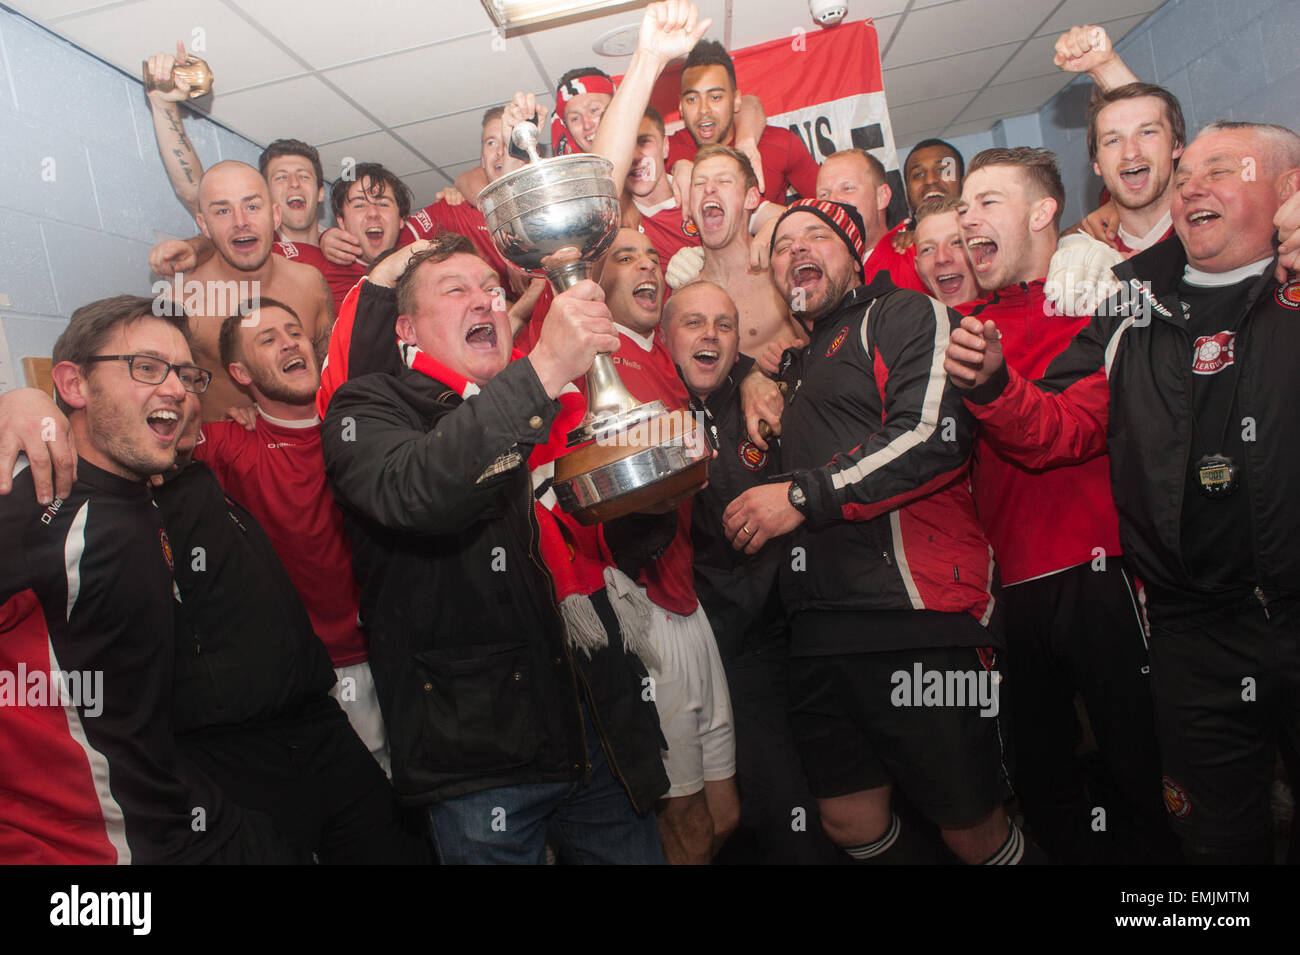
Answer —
(519, 16)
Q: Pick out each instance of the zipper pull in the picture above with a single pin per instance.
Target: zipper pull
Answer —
(885, 554)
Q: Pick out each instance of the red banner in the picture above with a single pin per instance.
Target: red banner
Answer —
(824, 85)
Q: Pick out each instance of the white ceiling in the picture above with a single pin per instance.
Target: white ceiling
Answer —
(404, 82)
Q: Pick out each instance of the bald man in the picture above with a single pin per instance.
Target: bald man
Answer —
(237, 215)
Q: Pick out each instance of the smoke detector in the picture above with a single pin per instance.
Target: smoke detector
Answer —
(827, 12)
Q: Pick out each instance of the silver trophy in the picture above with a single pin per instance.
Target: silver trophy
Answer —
(555, 218)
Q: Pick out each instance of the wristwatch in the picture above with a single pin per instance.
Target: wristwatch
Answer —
(798, 499)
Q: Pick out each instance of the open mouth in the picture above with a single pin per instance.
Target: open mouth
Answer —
(294, 365)
(983, 251)
(647, 293)
(296, 202)
(806, 274)
(712, 214)
(482, 335)
(934, 192)
(642, 171)
(706, 129)
(1136, 176)
(375, 235)
(949, 284)
(164, 422)
(244, 243)
(1201, 217)
(706, 358)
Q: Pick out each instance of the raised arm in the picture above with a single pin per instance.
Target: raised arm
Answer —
(1087, 49)
(174, 147)
(668, 30)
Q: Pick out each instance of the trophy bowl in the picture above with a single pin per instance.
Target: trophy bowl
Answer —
(555, 218)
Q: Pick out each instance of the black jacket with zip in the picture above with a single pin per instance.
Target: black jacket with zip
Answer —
(477, 682)
(738, 590)
(1125, 383)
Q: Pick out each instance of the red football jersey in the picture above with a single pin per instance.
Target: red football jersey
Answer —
(667, 229)
(901, 266)
(464, 219)
(786, 161)
(340, 278)
(277, 472)
(649, 373)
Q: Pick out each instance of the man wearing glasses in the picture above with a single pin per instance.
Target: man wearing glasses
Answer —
(89, 770)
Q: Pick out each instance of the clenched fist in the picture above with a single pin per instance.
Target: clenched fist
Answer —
(974, 353)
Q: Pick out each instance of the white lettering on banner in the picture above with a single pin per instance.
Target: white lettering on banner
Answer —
(828, 127)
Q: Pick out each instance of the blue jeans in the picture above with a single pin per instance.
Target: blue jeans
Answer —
(592, 824)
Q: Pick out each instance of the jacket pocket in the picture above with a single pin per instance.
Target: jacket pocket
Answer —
(479, 709)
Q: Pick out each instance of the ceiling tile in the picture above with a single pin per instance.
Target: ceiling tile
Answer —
(408, 87)
(447, 139)
(425, 186)
(397, 25)
(373, 147)
(885, 30)
(317, 113)
(757, 21)
(563, 48)
(965, 129)
(124, 35)
(42, 11)
(1080, 12)
(1036, 57)
(954, 74)
(903, 143)
(961, 26)
(1012, 99)
(918, 116)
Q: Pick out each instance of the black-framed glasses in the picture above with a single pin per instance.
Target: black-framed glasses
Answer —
(149, 370)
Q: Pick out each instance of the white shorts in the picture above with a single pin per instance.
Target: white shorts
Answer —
(694, 706)
(355, 691)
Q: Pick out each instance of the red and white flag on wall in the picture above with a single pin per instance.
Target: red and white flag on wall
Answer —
(823, 85)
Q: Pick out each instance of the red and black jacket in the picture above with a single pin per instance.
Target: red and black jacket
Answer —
(880, 442)
(1125, 383)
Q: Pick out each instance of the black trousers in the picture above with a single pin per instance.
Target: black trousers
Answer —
(779, 823)
(1079, 631)
(312, 776)
(1227, 692)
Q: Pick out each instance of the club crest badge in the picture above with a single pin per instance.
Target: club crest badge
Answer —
(1288, 295)
(750, 455)
(1176, 800)
(1213, 353)
(689, 229)
(840, 338)
(166, 549)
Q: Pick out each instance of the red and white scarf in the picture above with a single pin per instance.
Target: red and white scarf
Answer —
(572, 553)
